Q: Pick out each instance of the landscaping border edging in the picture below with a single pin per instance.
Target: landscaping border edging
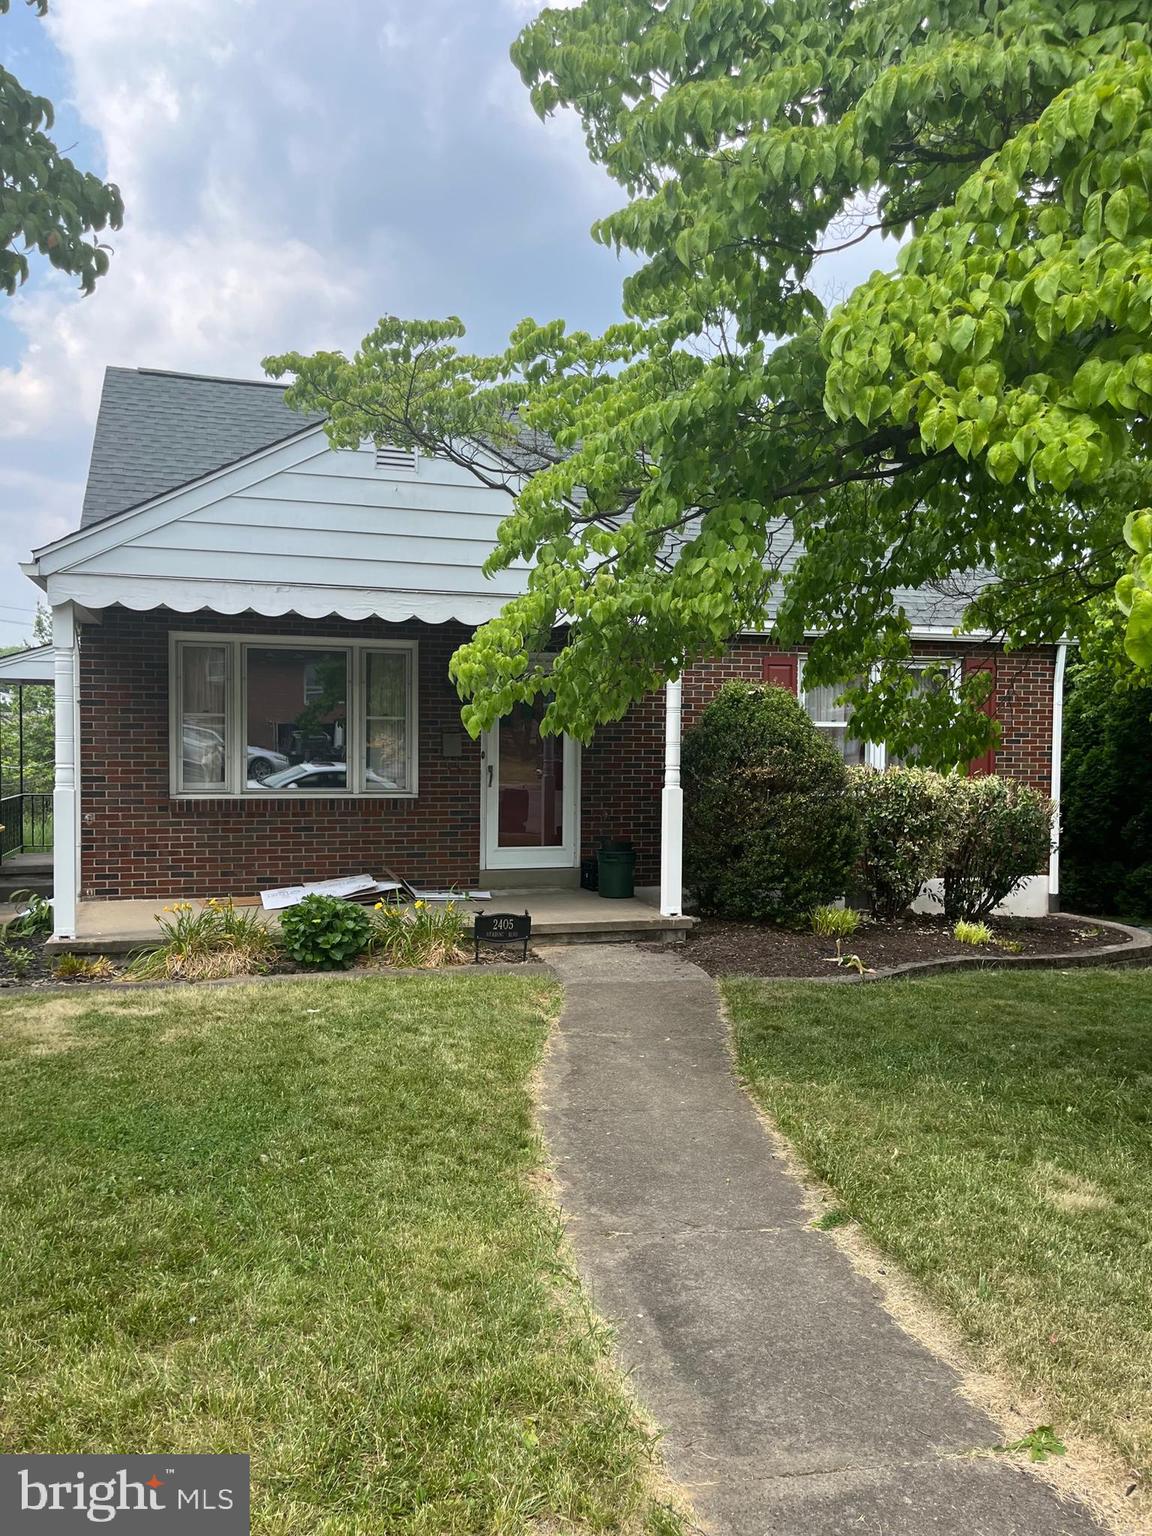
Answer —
(1136, 950)
(489, 968)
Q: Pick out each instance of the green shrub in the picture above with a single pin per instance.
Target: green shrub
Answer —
(997, 832)
(17, 959)
(206, 943)
(770, 831)
(902, 832)
(835, 922)
(420, 934)
(324, 933)
(1106, 802)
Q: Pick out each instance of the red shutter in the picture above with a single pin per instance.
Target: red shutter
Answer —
(986, 762)
(780, 671)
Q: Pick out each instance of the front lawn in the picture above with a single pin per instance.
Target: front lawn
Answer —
(993, 1133)
(298, 1220)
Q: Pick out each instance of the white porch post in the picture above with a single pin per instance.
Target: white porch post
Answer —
(1057, 773)
(672, 810)
(65, 796)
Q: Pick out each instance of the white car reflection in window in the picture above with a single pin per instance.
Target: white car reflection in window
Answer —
(319, 776)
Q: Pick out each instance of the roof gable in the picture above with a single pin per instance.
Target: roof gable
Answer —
(157, 431)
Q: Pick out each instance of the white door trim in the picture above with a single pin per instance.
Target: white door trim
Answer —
(567, 854)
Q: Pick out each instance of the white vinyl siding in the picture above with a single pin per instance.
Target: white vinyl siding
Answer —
(324, 520)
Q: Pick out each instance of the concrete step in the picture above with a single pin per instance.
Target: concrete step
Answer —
(10, 884)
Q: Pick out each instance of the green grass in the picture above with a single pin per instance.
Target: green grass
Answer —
(993, 1133)
(299, 1221)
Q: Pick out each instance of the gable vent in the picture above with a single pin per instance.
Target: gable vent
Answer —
(398, 460)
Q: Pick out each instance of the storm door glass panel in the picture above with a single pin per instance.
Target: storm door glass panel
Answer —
(386, 732)
(531, 789)
(297, 718)
(203, 717)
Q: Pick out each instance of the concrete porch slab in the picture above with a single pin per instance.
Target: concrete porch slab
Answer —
(558, 917)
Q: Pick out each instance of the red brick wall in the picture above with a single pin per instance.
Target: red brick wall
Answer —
(137, 841)
(624, 766)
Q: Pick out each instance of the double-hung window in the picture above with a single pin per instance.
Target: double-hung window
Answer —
(831, 718)
(834, 720)
(288, 718)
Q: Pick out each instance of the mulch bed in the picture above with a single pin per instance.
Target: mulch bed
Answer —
(761, 949)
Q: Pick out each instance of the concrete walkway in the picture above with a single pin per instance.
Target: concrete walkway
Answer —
(791, 1402)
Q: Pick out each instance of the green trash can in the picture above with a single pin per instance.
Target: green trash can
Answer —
(617, 863)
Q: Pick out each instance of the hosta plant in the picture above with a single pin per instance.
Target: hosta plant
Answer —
(323, 933)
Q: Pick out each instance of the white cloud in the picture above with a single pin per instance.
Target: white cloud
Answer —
(213, 302)
(291, 171)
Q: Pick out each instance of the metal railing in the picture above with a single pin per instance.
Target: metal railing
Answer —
(26, 822)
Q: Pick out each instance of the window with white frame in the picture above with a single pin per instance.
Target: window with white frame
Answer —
(929, 679)
(831, 718)
(292, 718)
(834, 720)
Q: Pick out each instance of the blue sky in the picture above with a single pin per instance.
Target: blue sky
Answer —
(291, 171)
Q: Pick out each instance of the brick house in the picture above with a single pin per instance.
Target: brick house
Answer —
(251, 637)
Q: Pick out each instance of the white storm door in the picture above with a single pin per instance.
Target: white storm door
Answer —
(529, 793)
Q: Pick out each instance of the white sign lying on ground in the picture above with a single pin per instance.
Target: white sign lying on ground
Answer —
(347, 885)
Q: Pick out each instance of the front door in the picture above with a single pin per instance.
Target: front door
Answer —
(528, 793)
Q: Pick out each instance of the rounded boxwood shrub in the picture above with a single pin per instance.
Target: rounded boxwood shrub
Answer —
(770, 831)
(997, 832)
(901, 834)
(324, 933)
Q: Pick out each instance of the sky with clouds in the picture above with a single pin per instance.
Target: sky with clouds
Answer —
(291, 171)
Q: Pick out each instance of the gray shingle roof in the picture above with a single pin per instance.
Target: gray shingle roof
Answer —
(157, 431)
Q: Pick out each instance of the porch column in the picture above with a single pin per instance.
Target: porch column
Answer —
(65, 794)
(671, 809)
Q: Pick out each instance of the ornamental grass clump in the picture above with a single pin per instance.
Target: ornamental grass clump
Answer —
(83, 968)
(205, 944)
(421, 935)
(323, 933)
(835, 922)
(972, 933)
(902, 827)
(770, 831)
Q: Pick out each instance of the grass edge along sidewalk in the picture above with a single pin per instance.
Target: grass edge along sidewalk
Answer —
(304, 1222)
(992, 1133)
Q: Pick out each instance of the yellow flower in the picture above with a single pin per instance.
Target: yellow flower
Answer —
(379, 907)
(420, 904)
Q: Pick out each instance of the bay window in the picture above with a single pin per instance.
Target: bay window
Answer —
(291, 718)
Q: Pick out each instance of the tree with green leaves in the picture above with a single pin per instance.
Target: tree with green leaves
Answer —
(46, 203)
(734, 456)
